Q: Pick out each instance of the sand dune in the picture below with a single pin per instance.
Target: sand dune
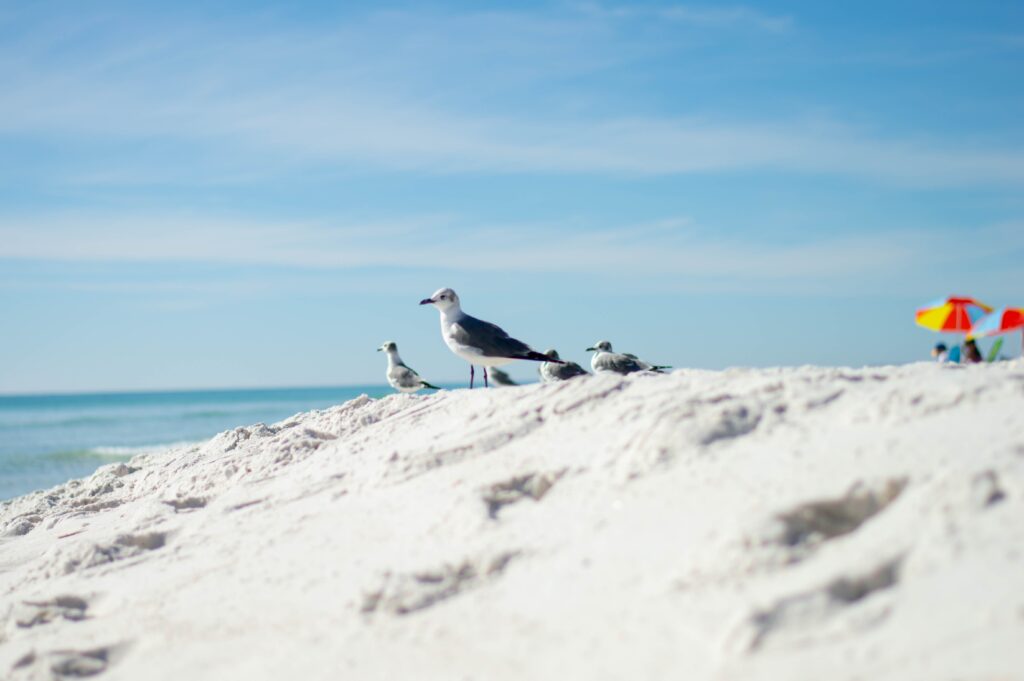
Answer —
(805, 523)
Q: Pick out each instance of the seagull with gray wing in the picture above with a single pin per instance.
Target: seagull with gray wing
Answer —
(477, 341)
(550, 372)
(401, 377)
(606, 361)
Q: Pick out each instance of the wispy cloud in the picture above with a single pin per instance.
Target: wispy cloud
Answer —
(704, 16)
(675, 248)
(1009, 41)
(323, 129)
(359, 108)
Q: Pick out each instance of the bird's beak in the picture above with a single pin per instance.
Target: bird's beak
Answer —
(590, 350)
(426, 301)
(380, 349)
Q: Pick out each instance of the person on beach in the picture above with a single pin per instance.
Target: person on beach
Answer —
(940, 352)
(971, 353)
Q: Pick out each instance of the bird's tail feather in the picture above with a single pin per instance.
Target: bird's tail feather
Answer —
(538, 357)
(429, 385)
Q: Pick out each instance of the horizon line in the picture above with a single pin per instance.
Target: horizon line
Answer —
(152, 391)
(445, 384)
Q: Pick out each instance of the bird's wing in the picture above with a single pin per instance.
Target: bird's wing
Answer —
(571, 369)
(406, 377)
(623, 364)
(646, 366)
(489, 338)
(406, 366)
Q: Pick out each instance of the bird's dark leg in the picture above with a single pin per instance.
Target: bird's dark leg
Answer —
(470, 376)
(485, 377)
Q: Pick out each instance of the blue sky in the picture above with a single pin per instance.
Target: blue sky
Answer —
(257, 194)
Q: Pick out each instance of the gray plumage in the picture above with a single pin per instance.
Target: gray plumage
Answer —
(490, 339)
(405, 379)
(474, 340)
(552, 373)
(607, 361)
(400, 376)
(499, 377)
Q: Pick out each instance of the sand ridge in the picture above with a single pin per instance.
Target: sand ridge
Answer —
(752, 523)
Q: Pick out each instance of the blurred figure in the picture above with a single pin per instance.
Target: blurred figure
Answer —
(552, 373)
(971, 353)
(500, 378)
(940, 352)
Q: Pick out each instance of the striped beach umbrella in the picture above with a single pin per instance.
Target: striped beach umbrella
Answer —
(955, 314)
(1003, 320)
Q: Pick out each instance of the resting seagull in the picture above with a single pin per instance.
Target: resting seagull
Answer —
(500, 378)
(477, 341)
(606, 361)
(402, 378)
(552, 373)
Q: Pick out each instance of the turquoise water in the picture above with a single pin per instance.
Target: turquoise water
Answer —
(48, 439)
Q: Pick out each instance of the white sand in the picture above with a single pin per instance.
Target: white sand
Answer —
(750, 524)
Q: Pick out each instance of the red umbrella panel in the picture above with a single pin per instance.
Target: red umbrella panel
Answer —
(956, 314)
(1003, 320)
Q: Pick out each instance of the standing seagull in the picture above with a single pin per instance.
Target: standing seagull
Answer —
(552, 373)
(402, 378)
(477, 341)
(606, 361)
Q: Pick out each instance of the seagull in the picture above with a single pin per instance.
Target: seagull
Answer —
(499, 377)
(552, 373)
(477, 341)
(606, 361)
(402, 378)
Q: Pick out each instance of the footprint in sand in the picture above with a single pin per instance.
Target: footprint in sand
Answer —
(409, 593)
(530, 486)
(840, 607)
(64, 664)
(187, 504)
(805, 527)
(35, 613)
(125, 546)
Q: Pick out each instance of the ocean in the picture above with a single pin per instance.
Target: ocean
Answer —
(48, 439)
